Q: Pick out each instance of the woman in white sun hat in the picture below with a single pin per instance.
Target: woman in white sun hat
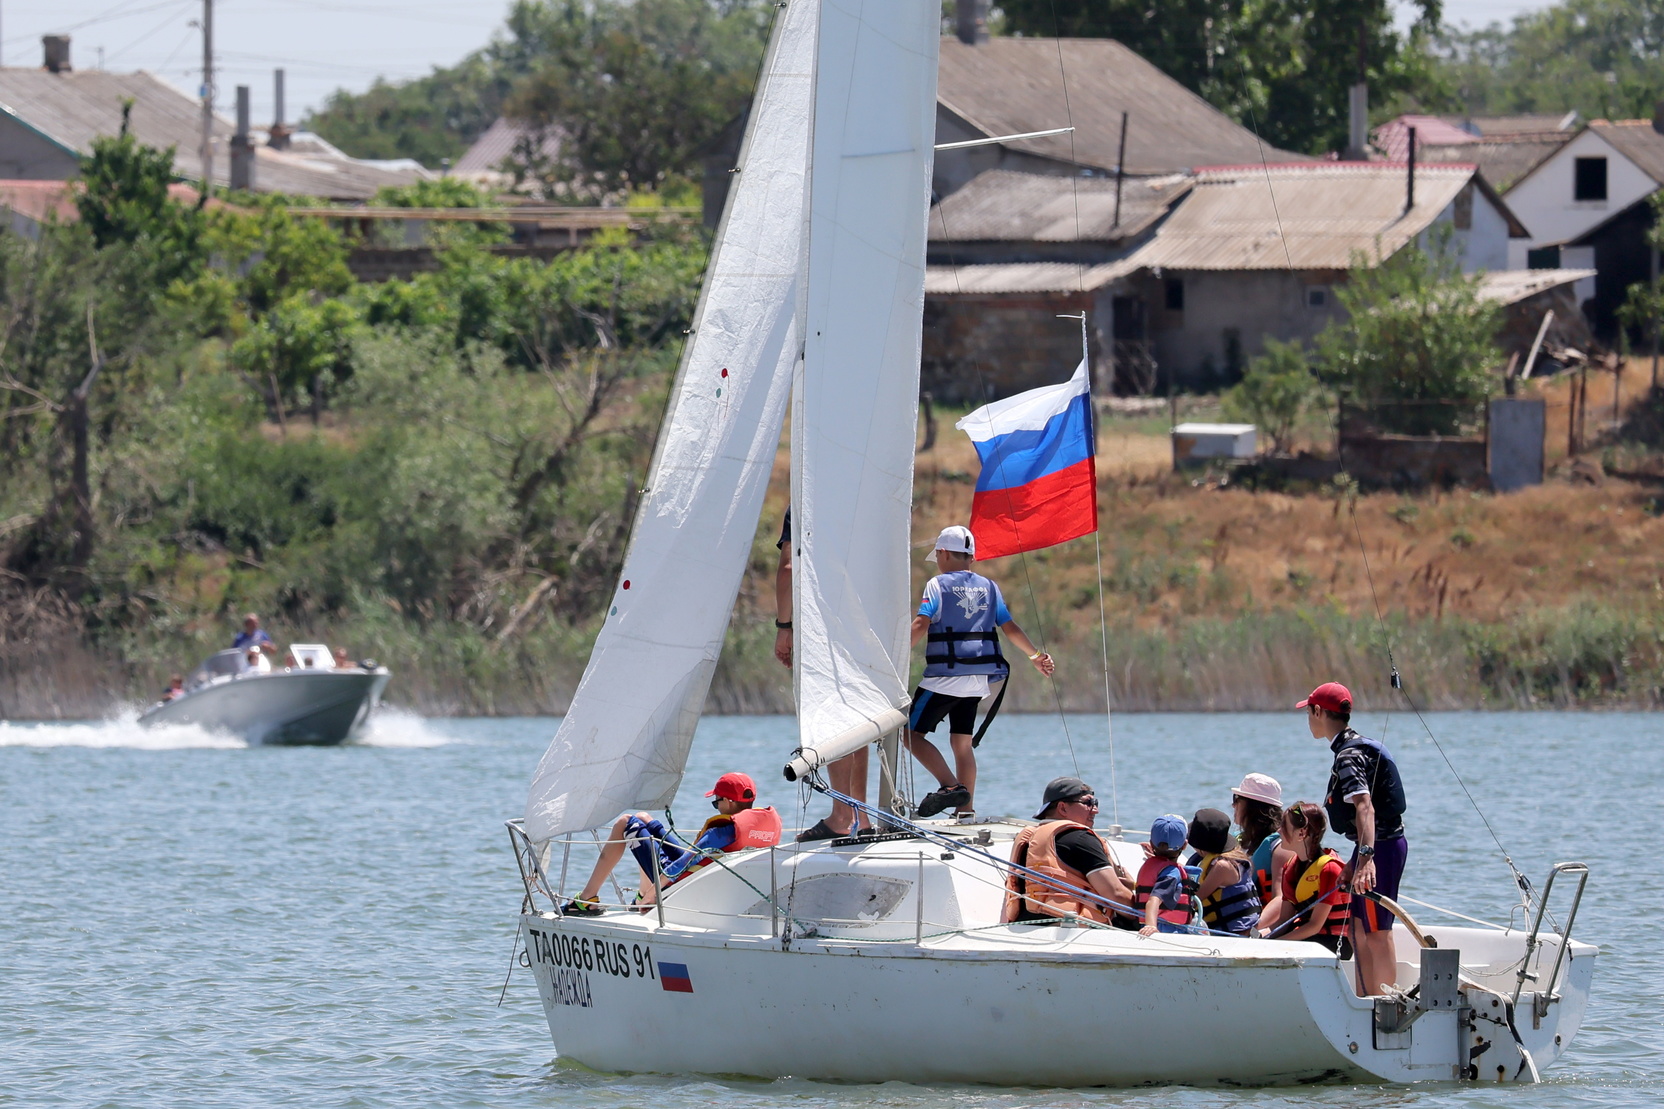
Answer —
(1257, 807)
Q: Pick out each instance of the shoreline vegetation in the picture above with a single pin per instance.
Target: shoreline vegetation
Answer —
(202, 413)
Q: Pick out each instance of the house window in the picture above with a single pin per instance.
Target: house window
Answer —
(1462, 211)
(1317, 296)
(1589, 179)
(1175, 294)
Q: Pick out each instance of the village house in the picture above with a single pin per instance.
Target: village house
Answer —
(50, 116)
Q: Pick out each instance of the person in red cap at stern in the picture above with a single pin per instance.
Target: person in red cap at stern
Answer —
(737, 826)
(1365, 803)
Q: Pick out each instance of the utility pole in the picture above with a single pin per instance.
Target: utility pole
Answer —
(207, 96)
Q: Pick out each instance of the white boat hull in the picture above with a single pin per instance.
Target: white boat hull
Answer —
(1004, 1005)
(282, 707)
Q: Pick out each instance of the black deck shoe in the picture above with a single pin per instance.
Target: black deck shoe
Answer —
(820, 830)
(951, 797)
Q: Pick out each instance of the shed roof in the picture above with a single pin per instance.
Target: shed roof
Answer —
(1392, 138)
(1009, 86)
(1503, 126)
(1021, 277)
(70, 109)
(1005, 206)
(1311, 216)
(498, 142)
(1511, 286)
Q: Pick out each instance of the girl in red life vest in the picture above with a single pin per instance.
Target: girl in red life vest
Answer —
(1313, 884)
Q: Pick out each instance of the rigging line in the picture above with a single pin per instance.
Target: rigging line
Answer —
(1397, 682)
(1022, 556)
(1074, 178)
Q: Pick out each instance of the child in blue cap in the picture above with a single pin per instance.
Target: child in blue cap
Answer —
(1163, 888)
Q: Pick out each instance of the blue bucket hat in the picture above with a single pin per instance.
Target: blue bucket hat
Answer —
(1168, 832)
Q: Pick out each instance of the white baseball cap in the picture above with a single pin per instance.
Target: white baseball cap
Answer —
(953, 538)
(1261, 787)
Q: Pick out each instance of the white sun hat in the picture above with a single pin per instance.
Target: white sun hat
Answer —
(1260, 787)
(954, 538)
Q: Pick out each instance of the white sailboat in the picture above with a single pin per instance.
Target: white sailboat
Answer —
(824, 950)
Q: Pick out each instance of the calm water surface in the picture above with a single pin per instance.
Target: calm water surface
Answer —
(189, 922)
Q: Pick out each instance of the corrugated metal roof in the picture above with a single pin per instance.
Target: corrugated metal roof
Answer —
(72, 109)
(1006, 206)
(1021, 277)
(1509, 286)
(1313, 216)
(1008, 86)
(1392, 138)
(1502, 126)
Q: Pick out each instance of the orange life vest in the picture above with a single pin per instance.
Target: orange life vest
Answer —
(1305, 882)
(752, 828)
(1036, 849)
(1147, 875)
(755, 828)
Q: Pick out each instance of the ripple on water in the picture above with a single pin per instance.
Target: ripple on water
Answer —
(191, 922)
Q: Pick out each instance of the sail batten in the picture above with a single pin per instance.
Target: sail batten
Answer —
(624, 742)
(855, 404)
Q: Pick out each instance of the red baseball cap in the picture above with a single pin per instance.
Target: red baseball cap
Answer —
(1330, 695)
(735, 787)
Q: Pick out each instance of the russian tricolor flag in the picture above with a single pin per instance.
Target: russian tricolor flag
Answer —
(1038, 485)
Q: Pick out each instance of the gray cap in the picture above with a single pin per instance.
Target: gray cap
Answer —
(1062, 789)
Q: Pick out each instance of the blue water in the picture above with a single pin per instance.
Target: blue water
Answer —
(189, 922)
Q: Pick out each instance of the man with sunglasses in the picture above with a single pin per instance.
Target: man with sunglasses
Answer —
(1070, 862)
(736, 826)
(1365, 803)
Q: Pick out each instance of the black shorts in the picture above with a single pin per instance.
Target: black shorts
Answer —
(930, 707)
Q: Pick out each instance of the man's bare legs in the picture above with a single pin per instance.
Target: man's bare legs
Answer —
(1377, 959)
(848, 776)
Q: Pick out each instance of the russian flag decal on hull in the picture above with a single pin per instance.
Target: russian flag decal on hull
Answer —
(674, 977)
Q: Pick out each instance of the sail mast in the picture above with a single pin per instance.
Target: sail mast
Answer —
(856, 405)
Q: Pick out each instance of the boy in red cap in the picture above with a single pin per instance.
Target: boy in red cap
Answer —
(1365, 802)
(738, 825)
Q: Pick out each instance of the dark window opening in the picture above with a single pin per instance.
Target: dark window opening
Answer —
(1462, 213)
(1589, 179)
(1175, 294)
(1543, 258)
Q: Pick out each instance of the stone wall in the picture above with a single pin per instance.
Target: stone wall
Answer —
(981, 348)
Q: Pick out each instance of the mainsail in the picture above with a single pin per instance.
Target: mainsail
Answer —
(624, 742)
(856, 402)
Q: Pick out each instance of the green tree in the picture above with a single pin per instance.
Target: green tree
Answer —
(1275, 392)
(123, 199)
(1600, 57)
(1415, 331)
(632, 89)
(1281, 65)
(432, 119)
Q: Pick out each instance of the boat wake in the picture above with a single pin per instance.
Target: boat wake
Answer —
(119, 731)
(391, 727)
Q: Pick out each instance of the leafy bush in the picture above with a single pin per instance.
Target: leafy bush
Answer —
(1275, 392)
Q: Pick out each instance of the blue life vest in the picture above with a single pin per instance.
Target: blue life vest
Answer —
(964, 638)
(1264, 877)
(1386, 792)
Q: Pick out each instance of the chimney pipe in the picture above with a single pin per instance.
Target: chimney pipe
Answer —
(1357, 123)
(1410, 181)
(242, 147)
(278, 137)
(57, 53)
(972, 19)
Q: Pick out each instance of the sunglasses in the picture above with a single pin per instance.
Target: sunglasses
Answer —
(1088, 800)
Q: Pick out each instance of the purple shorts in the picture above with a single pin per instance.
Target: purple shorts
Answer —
(1389, 869)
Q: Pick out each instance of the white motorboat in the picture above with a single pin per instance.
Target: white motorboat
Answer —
(311, 701)
(884, 958)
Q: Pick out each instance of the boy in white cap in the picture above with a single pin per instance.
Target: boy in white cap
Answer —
(961, 611)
